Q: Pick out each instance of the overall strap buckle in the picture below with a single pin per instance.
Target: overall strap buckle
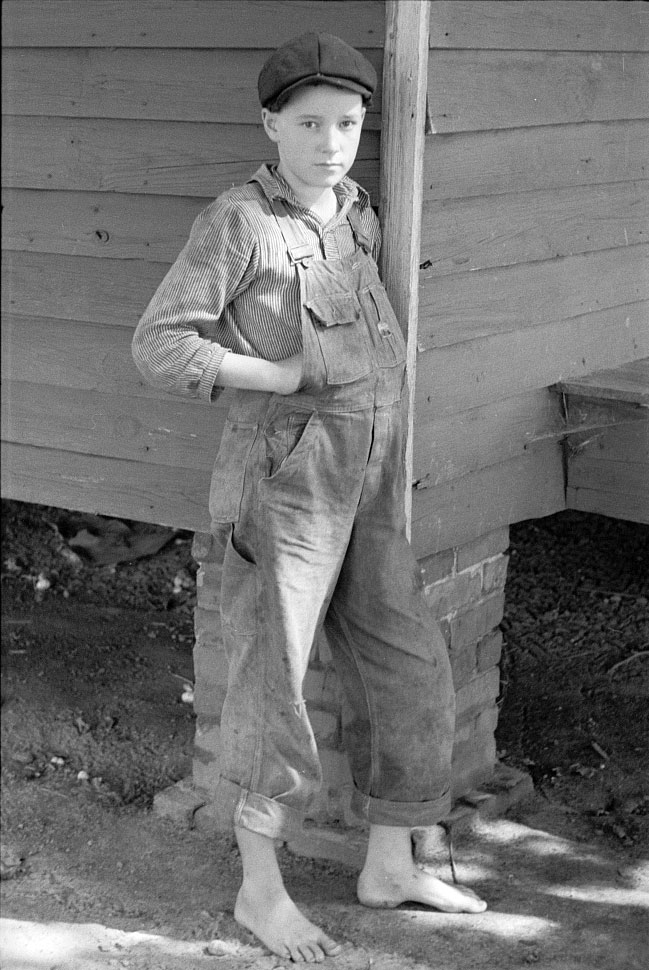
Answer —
(299, 249)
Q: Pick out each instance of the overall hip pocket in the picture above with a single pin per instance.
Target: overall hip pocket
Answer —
(340, 330)
(226, 488)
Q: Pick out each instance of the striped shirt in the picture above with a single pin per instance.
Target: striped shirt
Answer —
(232, 288)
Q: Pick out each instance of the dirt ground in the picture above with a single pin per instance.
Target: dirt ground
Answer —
(97, 656)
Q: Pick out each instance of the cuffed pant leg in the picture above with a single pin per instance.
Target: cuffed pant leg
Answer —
(280, 569)
(392, 660)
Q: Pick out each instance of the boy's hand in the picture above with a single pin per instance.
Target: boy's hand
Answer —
(289, 374)
(256, 374)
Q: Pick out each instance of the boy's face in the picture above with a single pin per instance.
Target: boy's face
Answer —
(317, 135)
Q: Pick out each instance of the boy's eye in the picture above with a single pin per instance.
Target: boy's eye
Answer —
(309, 125)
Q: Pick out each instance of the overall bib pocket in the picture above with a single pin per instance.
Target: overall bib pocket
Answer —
(389, 345)
(340, 330)
(226, 489)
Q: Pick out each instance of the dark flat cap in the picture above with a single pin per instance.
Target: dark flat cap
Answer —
(315, 58)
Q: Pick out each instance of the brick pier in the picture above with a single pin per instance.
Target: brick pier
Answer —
(465, 588)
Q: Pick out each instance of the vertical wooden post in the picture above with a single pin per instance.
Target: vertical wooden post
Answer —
(405, 73)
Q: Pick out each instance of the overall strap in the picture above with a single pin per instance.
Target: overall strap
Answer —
(360, 236)
(298, 246)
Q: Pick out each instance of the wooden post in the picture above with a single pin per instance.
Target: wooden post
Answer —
(405, 73)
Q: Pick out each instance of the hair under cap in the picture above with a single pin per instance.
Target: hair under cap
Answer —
(311, 58)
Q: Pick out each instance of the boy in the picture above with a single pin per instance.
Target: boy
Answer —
(277, 294)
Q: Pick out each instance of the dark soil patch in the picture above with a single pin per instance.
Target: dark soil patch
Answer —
(575, 681)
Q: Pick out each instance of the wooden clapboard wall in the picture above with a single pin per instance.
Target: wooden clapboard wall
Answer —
(123, 119)
(534, 246)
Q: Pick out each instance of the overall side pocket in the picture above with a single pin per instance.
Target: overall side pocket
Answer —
(226, 488)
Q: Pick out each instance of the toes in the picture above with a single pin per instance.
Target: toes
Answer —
(310, 953)
(330, 947)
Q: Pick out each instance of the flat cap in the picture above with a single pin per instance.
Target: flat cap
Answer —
(315, 58)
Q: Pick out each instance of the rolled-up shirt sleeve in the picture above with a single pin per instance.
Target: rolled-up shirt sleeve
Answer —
(173, 345)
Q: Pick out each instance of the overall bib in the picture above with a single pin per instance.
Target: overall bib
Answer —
(307, 498)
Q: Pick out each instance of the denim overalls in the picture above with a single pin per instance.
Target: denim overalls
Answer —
(307, 497)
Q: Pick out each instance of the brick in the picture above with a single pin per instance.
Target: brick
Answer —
(322, 651)
(463, 664)
(449, 595)
(208, 586)
(439, 566)
(345, 845)
(207, 628)
(487, 721)
(207, 756)
(473, 726)
(331, 804)
(473, 624)
(489, 650)
(209, 699)
(210, 661)
(445, 628)
(494, 574)
(473, 764)
(483, 548)
(326, 727)
(478, 694)
(478, 750)
(205, 548)
(179, 802)
(322, 688)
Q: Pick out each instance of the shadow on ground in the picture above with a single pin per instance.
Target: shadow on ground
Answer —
(151, 897)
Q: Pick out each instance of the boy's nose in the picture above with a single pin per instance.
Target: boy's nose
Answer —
(330, 142)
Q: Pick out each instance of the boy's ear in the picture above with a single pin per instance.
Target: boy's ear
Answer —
(269, 119)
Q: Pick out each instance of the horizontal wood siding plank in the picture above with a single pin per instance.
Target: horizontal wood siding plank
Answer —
(153, 228)
(462, 376)
(620, 444)
(80, 288)
(163, 158)
(184, 434)
(470, 305)
(551, 25)
(529, 160)
(526, 487)
(71, 353)
(170, 85)
(617, 505)
(630, 382)
(175, 497)
(466, 442)
(479, 233)
(487, 90)
(625, 477)
(191, 23)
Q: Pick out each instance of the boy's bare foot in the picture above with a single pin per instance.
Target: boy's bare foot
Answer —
(264, 907)
(390, 877)
(280, 926)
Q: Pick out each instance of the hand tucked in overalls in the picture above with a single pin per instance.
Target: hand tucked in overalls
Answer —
(307, 497)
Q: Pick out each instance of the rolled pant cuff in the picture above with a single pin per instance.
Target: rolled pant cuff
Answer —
(258, 813)
(377, 811)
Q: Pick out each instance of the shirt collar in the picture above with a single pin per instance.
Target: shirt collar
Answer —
(274, 186)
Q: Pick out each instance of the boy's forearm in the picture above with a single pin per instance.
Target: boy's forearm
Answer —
(256, 374)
